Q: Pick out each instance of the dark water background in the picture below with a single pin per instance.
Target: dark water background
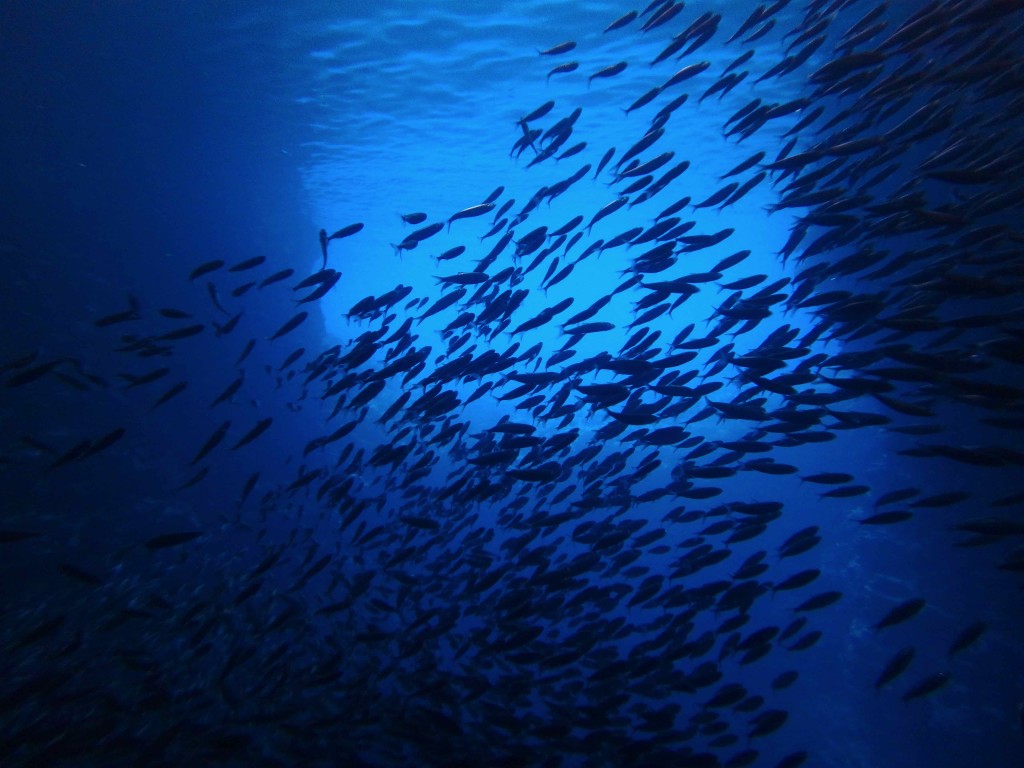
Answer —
(141, 140)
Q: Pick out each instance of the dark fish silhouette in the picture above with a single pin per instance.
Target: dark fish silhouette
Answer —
(212, 442)
(609, 71)
(927, 686)
(323, 245)
(471, 212)
(228, 392)
(896, 666)
(562, 69)
(206, 268)
(621, 22)
(35, 373)
(211, 290)
(967, 638)
(348, 231)
(277, 277)
(241, 266)
(134, 312)
(900, 613)
(330, 279)
(174, 391)
(555, 50)
(289, 326)
(181, 333)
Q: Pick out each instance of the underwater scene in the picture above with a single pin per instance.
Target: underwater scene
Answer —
(548, 383)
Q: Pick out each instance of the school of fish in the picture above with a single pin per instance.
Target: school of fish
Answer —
(574, 582)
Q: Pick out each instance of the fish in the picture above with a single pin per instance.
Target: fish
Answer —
(471, 212)
(211, 290)
(317, 278)
(819, 601)
(104, 442)
(35, 373)
(444, 302)
(750, 162)
(346, 231)
(246, 351)
(146, 378)
(828, 478)
(562, 69)
(206, 268)
(292, 358)
(621, 22)
(607, 210)
(212, 442)
(289, 326)
(644, 168)
(594, 327)
(687, 72)
(184, 332)
(895, 666)
(927, 686)
(323, 245)
(419, 235)
(312, 571)
(537, 113)
(798, 580)
(229, 326)
(134, 312)
(967, 638)
(260, 427)
(174, 314)
(463, 278)
(739, 61)
(644, 99)
(717, 197)
(885, 518)
(768, 722)
(249, 485)
(324, 287)
(900, 613)
(195, 479)
(605, 159)
(277, 277)
(559, 49)
(610, 71)
(241, 266)
(229, 391)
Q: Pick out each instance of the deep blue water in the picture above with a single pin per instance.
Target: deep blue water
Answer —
(410, 603)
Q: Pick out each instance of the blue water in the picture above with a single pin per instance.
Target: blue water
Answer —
(142, 140)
